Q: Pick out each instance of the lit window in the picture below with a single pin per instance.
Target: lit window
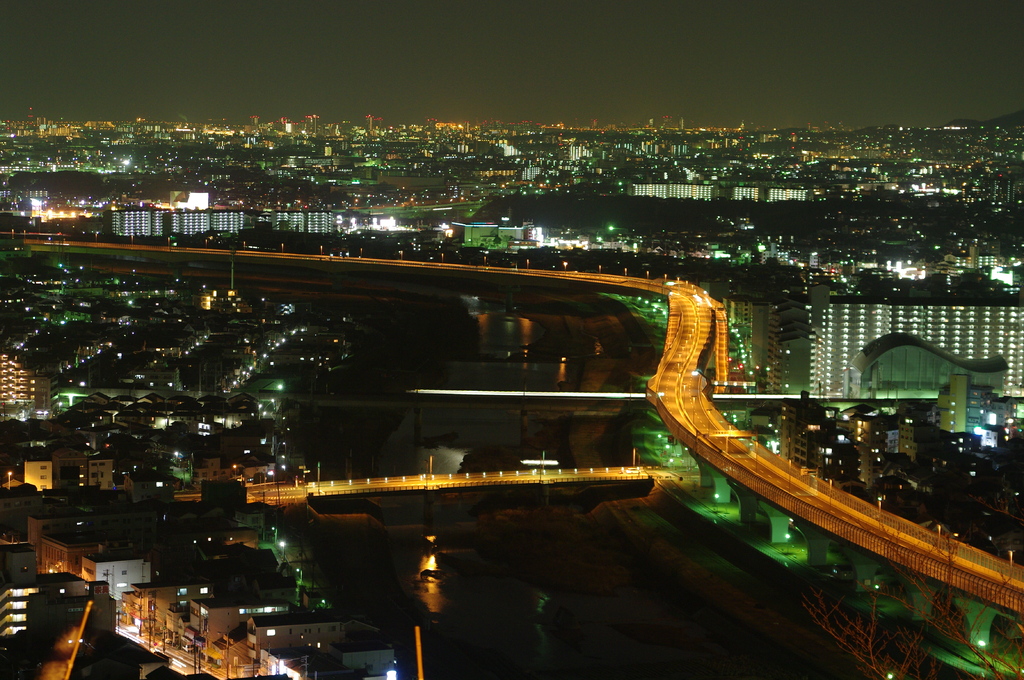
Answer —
(271, 632)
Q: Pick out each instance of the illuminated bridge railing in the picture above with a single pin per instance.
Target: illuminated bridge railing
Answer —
(441, 482)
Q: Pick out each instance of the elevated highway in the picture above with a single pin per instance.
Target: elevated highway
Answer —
(176, 258)
(682, 398)
(697, 335)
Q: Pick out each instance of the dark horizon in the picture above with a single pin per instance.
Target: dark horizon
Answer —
(786, 64)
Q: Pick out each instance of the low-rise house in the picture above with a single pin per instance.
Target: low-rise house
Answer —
(142, 485)
(159, 610)
(373, 657)
(17, 504)
(321, 627)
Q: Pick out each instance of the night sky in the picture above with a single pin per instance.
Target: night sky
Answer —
(773, 63)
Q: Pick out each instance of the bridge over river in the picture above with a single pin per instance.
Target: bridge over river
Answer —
(985, 585)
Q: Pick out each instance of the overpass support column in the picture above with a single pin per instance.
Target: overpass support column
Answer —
(817, 544)
(978, 618)
(748, 503)
(779, 523)
(919, 600)
(712, 478)
(510, 305)
(864, 569)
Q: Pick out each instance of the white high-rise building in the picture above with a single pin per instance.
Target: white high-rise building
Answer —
(144, 222)
(288, 220)
(746, 193)
(969, 329)
(231, 221)
(783, 194)
(190, 222)
(319, 222)
(673, 190)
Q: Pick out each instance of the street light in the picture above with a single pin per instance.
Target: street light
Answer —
(9, 473)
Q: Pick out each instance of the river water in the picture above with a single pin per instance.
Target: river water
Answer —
(504, 614)
(501, 336)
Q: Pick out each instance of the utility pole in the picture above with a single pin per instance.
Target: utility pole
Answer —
(419, 655)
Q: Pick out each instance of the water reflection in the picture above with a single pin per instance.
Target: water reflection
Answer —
(501, 335)
(508, 615)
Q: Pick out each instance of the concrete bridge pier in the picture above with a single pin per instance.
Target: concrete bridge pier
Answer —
(779, 524)
(978, 618)
(428, 508)
(710, 478)
(817, 544)
(920, 600)
(748, 503)
(864, 568)
(510, 304)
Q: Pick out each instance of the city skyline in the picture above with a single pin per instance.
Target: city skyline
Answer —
(789, 64)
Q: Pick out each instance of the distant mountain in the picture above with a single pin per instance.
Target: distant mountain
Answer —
(963, 122)
(1009, 120)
